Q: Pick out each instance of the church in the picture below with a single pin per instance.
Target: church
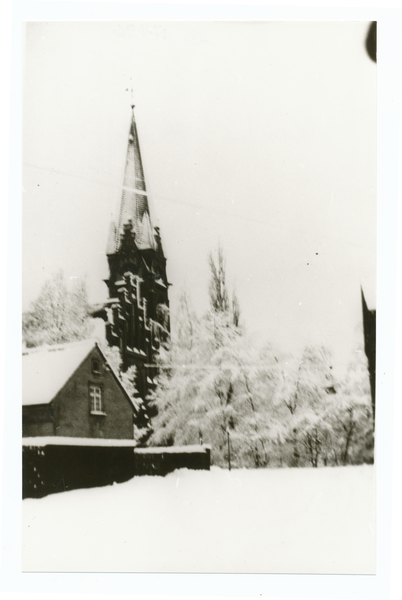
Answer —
(84, 401)
(79, 420)
(137, 310)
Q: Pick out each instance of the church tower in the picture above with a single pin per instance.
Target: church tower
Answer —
(369, 330)
(137, 311)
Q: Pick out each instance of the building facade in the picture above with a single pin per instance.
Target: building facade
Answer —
(71, 390)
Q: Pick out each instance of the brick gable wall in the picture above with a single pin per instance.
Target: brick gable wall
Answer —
(71, 407)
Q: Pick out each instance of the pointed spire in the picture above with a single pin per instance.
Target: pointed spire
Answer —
(364, 303)
(134, 200)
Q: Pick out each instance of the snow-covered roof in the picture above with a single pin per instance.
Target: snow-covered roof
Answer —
(75, 441)
(106, 443)
(172, 449)
(45, 370)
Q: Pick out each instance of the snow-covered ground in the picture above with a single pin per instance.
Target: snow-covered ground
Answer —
(261, 521)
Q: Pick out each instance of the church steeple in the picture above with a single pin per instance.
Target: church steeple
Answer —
(134, 206)
(137, 313)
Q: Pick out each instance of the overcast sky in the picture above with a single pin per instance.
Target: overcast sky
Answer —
(258, 136)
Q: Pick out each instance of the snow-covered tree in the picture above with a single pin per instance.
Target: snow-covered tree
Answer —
(142, 427)
(60, 314)
(327, 422)
(218, 293)
(180, 367)
(350, 415)
(261, 407)
(213, 387)
(307, 382)
(219, 296)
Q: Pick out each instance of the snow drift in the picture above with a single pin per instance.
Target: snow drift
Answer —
(246, 521)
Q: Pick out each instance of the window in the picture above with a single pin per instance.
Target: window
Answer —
(95, 395)
(96, 368)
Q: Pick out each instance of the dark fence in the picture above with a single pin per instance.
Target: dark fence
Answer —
(53, 468)
(160, 461)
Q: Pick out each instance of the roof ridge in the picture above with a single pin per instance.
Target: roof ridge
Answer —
(59, 347)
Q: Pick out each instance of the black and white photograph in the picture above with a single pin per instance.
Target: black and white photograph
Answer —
(199, 297)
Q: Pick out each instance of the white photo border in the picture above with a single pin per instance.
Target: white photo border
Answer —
(216, 585)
